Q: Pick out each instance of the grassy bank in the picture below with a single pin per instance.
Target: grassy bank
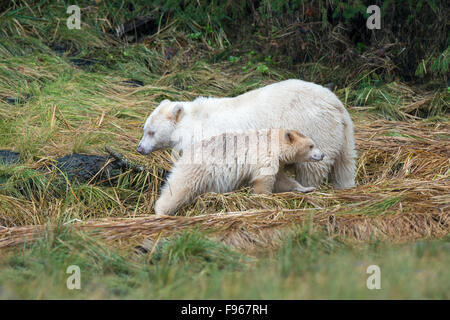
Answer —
(308, 265)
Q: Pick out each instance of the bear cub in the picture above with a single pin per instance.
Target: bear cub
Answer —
(230, 161)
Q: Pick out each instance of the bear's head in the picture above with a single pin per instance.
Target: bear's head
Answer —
(299, 148)
(159, 127)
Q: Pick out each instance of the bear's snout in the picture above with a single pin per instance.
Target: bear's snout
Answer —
(140, 150)
(317, 155)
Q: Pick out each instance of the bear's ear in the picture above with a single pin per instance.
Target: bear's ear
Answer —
(177, 112)
(164, 101)
(290, 137)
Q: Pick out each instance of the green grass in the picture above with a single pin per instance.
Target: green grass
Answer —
(308, 265)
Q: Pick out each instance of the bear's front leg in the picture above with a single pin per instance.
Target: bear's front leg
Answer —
(174, 194)
(284, 183)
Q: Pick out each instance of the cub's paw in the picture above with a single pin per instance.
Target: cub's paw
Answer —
(162, 210)
(305, 189)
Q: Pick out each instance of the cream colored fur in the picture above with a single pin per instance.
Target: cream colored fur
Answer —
(229, 161)
(292, 104)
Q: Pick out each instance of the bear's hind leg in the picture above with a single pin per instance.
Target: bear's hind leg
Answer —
(312, 174)
(343, 172)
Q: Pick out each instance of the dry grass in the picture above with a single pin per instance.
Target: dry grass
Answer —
(391, 206)
(249, 228)
(397, 209)
(394, 149)
(403, 194)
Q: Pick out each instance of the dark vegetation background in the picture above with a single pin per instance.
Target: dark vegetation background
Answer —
(412, 44)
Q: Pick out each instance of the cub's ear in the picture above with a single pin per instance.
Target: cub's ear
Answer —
(290, 137)
(177, 112)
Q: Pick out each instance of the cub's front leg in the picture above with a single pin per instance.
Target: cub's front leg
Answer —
(263, 184)
(284, 183)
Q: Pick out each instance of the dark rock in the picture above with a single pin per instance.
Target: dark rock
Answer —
(84, 167)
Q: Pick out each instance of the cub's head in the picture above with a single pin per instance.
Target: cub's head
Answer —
(159, 126)
(299, 148)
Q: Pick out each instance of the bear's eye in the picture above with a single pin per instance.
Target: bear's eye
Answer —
(151, 133)
(311, 146)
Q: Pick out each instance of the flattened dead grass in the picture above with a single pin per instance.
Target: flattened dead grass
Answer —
(395, 149)
(396, 210)
(403, 193)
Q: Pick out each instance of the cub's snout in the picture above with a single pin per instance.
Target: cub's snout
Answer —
(317, 155)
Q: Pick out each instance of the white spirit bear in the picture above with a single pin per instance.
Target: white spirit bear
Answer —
(292, 104)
